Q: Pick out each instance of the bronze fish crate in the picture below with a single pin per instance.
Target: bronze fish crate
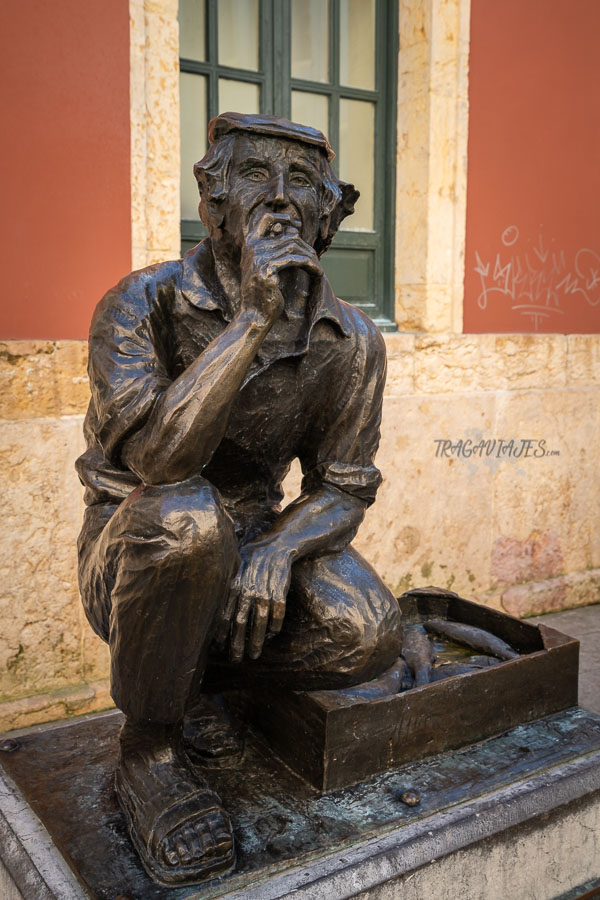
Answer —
(334, 740)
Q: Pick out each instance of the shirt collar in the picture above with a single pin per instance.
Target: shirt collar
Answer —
(201, 287)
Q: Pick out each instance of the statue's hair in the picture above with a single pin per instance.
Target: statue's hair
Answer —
(212, 174)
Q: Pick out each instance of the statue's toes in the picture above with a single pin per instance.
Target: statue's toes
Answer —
(183, 848)
(170, 854)
(222, 839)
(205, 837)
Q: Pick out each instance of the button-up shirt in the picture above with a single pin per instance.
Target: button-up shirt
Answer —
(318, 398)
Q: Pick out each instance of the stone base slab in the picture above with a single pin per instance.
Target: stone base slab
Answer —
(517, 815)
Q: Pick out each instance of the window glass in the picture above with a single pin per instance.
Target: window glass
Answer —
(238, 96)
(238, 34)
(357, 43)
(192, 93)
(311, 109)
(192, 25)
(356, 158)
(310, 40)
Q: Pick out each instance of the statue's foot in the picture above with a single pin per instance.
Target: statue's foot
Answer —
(176, 822)
(210, 736)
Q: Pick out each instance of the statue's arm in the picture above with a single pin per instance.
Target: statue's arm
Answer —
(188, 420)
(323, 521)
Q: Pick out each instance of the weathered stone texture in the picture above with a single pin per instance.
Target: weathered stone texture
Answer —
(431, 523)
(431, 164)
(583, 359)
(70, 701)
(467, 363)
(154, 91)
(41, 643)
(564, 592)
(487, 521)
(43, 378)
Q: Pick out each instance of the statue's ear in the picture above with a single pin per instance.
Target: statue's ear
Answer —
(333, 211)
(211, 212)
(328, 201)
(349, 197)
(212, 194)
(324, 222)
(328, 204)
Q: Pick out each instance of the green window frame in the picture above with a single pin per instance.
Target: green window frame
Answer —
(359, 264)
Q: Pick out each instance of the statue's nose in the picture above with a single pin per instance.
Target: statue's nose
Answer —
(278, 196)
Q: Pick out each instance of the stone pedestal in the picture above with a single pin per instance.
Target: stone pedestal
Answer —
(517, 815)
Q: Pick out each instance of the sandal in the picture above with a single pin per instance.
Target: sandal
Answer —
(180, 803)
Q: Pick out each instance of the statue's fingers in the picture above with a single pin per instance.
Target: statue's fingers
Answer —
(277, 616)
(294, 246)
(238, 629)
(290, 260)
(264, 225)
(226, 615)
(258, 629)
(231, 603)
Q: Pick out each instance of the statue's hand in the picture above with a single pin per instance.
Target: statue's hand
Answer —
(256, 605)
(273, 245)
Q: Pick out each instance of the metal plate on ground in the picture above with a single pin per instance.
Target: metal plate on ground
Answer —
(66, 774)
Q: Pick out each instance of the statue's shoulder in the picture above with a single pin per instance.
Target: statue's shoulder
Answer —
(361, 328)
(137, 294)
(149, 280)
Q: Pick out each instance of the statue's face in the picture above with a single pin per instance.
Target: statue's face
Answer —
(272, 180)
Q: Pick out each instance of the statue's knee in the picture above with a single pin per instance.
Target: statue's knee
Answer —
(190, 514)
(387, 641)
(374, 637)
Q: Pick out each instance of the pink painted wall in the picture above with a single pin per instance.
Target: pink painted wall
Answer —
(65, 226)
(533, 200)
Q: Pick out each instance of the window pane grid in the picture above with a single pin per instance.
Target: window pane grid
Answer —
(317, 87)
(216, 72)
(200, 68)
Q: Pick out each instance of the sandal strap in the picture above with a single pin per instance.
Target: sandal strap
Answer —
(178, 802)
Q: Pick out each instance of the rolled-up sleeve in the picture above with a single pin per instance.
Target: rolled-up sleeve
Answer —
(344, 439)
(126, 372)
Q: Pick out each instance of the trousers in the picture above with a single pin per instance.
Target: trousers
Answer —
(154, 575)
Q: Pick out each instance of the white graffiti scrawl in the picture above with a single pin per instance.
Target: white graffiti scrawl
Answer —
(536, 279)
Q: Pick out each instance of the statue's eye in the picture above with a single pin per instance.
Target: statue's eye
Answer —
(299, 180)
(256, 175)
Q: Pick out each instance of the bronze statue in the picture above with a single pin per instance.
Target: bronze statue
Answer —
(209, 376)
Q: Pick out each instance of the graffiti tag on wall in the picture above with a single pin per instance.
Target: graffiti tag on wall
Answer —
(538, 281)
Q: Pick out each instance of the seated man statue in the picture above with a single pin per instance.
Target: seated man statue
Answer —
(209, 375)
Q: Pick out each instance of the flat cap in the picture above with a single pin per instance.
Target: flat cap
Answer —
(273, 126)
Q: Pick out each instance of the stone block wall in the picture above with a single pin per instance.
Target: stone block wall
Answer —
(513, 525)
(515, 532)
(50, 662)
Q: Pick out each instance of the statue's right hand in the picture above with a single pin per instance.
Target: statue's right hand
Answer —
(270, 248)
(260, 291)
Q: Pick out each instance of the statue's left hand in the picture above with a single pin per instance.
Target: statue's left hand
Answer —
(257, 600)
